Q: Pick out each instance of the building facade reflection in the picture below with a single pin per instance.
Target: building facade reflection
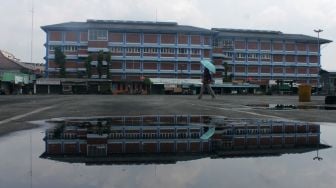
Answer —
(171, 138)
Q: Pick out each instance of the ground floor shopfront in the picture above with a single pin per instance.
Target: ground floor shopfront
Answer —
(16, 83)
(170, 86)
(87, 86)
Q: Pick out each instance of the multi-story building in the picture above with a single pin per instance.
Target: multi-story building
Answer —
(138, 49)
(167, 50)
(259, 56)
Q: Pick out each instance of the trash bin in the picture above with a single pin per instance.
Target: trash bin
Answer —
(304, 93)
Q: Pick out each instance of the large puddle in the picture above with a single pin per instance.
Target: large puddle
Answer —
(21, 154)
(291, 107)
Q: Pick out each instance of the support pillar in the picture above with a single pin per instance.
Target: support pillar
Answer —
(34, 88)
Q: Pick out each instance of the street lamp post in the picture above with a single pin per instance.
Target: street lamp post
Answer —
(318, 31)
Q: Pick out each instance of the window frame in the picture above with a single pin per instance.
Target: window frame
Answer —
(94, 35)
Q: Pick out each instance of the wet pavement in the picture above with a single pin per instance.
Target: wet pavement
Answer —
(21, 153)
(17, 110)
(291, 107)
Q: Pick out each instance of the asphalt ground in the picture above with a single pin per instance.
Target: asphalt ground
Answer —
(16, 111)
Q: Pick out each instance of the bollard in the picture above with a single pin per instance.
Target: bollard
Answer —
(304, 93)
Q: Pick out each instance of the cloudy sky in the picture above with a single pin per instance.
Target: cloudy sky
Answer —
(288, 16)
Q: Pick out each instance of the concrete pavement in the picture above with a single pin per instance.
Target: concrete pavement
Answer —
(16, 111)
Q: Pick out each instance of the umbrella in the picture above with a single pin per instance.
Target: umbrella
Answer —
(209, 66)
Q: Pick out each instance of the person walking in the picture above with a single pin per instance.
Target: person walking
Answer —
(206, 81)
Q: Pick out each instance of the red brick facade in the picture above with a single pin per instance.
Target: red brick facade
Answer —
(240, 45)
(116, 37)
(252, 45)
(83, 36)
(55, 36)
(150, 38)
(182, 39)
(168, 39)
(132, 37)
(71, 36)
(277, 46)
(97, 44)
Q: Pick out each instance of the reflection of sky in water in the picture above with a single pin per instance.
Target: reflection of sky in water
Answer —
(293, 170)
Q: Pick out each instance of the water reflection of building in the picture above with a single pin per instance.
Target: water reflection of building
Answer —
(176, 136)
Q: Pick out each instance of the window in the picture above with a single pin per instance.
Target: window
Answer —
(70, 48)
(167, 50)
(183, 51)
(132, 50)
(195, 51)
(153, 135)
(253, 56)
(52, 48)
(240, 55)
(50, 135)
(116, 49)
(227, 43)
(265, 56)
(97, 35)
(220, 43)
(150, 50)
(216, 43)
(227, 54)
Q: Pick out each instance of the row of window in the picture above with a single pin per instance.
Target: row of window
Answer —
(152, 135)
(67, 48)
(51, 135)
(71, 48)
(220, 43)
(249, 55)
(102, 35)
(156, 50)
(247, 131)
(229, 44)
(98, 35)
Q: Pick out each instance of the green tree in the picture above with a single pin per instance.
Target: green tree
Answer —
(100, 60)
(108, 61)
(60, 61)
(88, 66)
(226, 67)
(148, 83)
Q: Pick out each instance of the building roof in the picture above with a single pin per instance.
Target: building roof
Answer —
(8, 62)
(266, 34)
(135, 26)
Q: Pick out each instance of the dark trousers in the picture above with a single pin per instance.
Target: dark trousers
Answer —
(209, 90)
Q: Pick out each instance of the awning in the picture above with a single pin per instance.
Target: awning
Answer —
(230, 85)
(47, 81)
(175, 81)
